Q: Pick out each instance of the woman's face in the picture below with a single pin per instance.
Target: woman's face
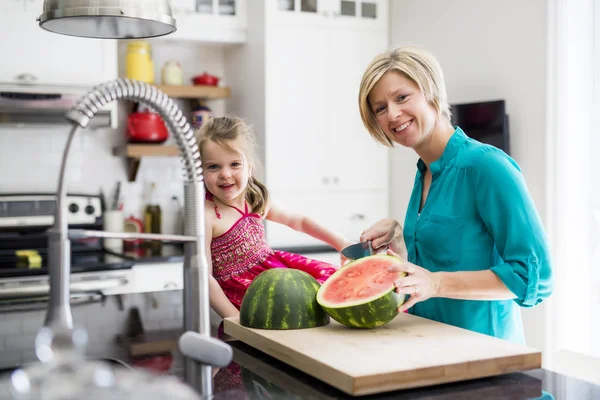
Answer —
(401, 110)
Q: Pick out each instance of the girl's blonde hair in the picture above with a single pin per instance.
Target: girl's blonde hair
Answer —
(416, 64)
(223, 130)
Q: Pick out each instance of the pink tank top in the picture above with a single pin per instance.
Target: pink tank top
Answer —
(243, 246)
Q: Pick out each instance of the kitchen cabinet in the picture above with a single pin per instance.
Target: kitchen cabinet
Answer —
(210, 21)
(40, 57)
(306, 63)
(34, 6)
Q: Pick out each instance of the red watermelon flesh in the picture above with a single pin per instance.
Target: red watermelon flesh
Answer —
(362, 293)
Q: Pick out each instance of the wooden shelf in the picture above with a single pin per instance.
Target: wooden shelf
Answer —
(146, 150)
(196, 91)
(135, 152)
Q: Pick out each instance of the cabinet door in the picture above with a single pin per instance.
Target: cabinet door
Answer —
(42, 57)
(360, 162)
(296, 109)
(12, 6)
(365, 13)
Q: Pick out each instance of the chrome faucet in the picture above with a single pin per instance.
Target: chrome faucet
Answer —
(199, 349)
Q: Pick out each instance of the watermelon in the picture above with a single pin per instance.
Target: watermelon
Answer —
(362, 294)
(282, 298)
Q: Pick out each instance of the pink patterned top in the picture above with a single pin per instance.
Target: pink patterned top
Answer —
(242, 253)
(241, 247)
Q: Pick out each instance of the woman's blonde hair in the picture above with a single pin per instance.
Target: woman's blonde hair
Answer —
(223, 130)
(416, 64)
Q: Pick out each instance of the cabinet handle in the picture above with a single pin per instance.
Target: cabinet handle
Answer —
(355, 217)
(325, 180)
(170, 285)
(26, 78)
(336, 180)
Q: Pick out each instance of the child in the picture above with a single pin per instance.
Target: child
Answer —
(236, 204)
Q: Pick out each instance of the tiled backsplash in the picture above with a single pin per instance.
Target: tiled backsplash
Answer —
(103, 322)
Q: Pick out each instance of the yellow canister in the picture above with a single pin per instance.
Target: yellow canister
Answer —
(139, 65)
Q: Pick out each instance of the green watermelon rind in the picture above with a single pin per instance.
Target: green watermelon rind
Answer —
(276, 308)
(367, 313)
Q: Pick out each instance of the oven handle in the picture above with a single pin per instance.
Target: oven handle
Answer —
(75, 234)
(42, 289)
(41, 303)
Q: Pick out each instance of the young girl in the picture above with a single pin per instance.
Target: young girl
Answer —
(236, 204)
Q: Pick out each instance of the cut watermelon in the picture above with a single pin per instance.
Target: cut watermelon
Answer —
(282, 298)
(362, 294)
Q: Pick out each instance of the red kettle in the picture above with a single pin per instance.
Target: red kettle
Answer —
(146, 127)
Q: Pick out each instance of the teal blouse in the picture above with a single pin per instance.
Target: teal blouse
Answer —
(479, 215)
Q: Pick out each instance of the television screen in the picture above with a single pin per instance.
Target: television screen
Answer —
(486, 122)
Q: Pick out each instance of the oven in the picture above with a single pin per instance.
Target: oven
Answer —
(24, 274)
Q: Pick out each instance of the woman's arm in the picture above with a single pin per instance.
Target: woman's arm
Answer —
(306, 225)
(217, 298)
(509, 214)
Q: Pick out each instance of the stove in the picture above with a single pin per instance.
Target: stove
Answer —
(24, 220)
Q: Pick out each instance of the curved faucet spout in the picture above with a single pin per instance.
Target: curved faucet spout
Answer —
(196, 274)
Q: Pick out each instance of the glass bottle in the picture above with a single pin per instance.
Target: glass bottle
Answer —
(152, 223)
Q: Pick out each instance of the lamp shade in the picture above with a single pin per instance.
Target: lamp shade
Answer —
(108, 19)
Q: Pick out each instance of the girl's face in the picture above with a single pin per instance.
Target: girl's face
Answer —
(226, 172)
(401, 110)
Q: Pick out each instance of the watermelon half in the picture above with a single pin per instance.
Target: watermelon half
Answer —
(362, 294)
(282, 298)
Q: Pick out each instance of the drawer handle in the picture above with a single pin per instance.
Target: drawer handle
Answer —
(355, 217)
(26, 78)
(170, 285)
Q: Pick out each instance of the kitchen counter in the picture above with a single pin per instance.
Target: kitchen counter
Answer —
(255, 375)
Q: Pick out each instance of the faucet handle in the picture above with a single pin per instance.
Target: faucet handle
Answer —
(205, 350)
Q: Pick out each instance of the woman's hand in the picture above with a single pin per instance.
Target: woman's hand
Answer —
(419, 283)
(386, 232)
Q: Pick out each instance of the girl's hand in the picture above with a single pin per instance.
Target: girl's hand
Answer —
(419, 283)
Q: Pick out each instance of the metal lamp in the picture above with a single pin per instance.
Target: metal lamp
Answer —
(108, 19)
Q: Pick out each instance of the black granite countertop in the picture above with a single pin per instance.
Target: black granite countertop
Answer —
(255, 375)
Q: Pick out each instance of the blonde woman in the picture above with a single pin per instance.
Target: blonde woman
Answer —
(475, 247)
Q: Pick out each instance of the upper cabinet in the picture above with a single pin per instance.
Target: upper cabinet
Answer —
(352, 12)
(210, 21)
(40, 57)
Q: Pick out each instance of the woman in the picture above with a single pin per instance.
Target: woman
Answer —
(475, 245)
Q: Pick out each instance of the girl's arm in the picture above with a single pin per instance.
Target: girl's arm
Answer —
(218, 301)
(306, 225)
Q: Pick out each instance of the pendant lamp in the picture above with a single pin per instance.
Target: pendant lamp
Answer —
(108, 19)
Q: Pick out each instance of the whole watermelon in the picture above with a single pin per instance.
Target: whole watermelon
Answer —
(282, 298)
(362, 294)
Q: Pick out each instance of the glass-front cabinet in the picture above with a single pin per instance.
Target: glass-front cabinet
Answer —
(217, 7)
(354, 9)
(210, 20)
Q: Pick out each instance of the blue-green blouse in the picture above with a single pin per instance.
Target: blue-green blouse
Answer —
(478, 215)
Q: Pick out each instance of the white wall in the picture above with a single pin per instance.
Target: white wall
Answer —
(488, 50)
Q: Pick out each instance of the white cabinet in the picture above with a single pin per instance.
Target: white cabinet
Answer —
(314, 67)
(302, 64)
(40, 57)
(34, 6)
(210, 21)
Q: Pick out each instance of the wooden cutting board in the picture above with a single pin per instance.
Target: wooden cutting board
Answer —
(408, 352)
